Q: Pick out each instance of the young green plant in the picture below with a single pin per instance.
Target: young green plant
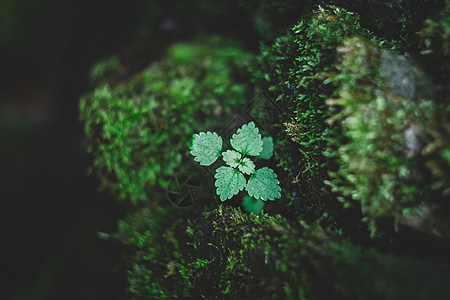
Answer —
(262, 184)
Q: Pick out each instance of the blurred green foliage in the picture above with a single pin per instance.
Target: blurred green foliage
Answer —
(148, 233)
(138, 131)
(435, 45)
(437, 150)
(382, 103)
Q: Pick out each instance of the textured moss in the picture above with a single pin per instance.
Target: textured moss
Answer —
(382, 103)
(138, 131)
(296, 66)
(148, 235)
(295, 69)
(227, 254)
(391, 20)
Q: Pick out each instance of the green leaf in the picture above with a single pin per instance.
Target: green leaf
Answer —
(264, 185)
(229, 182)
(246, 166)
(267, 148)
(247, 140)
(252, 205)
(231, 158)
(206, 147)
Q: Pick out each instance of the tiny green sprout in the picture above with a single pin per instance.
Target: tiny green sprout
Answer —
(262, 184)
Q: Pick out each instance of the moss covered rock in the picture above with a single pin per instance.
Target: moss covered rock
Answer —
(138, 131)
(435, 45)
(384, 104)
(227, 254)
(295, 68)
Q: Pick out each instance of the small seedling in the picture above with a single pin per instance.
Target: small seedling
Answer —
(262, 184)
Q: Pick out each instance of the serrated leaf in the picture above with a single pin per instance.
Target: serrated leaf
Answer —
(229, 182)
(252, 205)
(231, 158)
(264, 185)
(206, 147)
(267, 148)
(246, 166)
(247, 140)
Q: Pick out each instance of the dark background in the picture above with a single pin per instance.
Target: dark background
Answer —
(51, 209)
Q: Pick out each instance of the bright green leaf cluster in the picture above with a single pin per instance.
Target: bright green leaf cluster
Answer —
(262, 184)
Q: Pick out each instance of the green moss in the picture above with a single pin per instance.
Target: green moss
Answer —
(103, 68)
(296, 66)
(435, 46)
(295, 69)
(437, 150)
(381, 103)
(139, 131)
(149, 237)
(227, 254)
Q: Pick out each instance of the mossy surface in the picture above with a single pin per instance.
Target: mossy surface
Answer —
(435, 46)
(436, 151)
(148, 235)
(295, 69)
(227, 254)
(382, 105)
(138, 131)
